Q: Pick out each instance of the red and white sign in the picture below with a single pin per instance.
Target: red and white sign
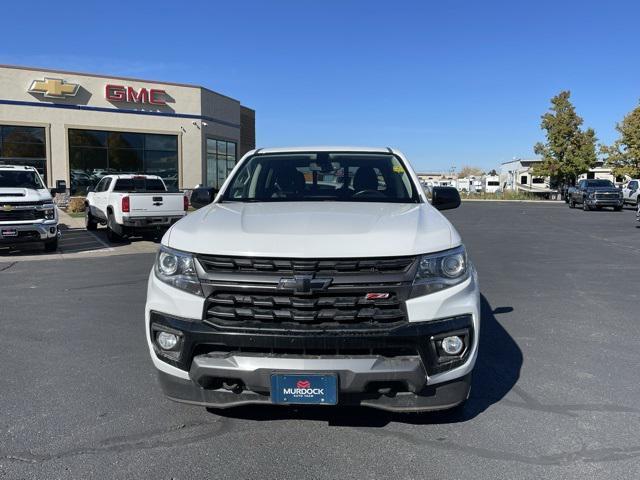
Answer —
(122, 93)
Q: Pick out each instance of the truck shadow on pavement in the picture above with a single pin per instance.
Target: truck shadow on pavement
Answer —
(496, 372)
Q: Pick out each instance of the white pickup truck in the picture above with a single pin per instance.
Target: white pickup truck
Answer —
(630, 192)
(318, 275)
(131, 205)
(27, 211)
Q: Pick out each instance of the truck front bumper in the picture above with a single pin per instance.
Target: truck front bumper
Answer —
(28, 232)
(399, 368)
(606, 202)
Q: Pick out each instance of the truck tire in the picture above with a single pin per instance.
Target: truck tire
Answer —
(112, 236)
(51, 245)
(572, 204)
(89, 222)
(585, 207)
(617, 209)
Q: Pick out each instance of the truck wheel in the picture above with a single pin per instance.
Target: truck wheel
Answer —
(572, 204)
(89, 222)
(51, 245)
(112, 236)
(617, 209)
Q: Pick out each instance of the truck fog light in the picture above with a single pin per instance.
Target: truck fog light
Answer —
(167, 340)
(452, 345)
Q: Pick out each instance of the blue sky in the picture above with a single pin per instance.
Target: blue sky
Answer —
(450, 83)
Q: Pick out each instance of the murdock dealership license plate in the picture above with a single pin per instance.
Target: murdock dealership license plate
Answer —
(321, 389)
(9, 232)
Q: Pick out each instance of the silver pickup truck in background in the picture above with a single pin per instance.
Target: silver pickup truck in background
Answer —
(131, 205)
(27, 212)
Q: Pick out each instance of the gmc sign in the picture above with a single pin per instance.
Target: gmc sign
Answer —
(121, 93)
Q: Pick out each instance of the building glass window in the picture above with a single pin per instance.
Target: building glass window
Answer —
(21, 145)
(96, 153)
(221, 158)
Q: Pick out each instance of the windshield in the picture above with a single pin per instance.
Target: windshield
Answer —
(139, 185)
(599, 183)
(20, 179)
(322, 176)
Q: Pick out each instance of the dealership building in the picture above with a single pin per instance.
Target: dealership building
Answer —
(78, 127)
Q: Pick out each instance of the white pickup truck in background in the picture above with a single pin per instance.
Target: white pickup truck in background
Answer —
(27, 211)
(630, 192)
(131, 205)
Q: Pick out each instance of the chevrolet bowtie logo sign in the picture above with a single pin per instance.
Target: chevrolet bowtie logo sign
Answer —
(54, 88)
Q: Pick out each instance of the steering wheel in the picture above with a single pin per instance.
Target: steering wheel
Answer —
(369, 193)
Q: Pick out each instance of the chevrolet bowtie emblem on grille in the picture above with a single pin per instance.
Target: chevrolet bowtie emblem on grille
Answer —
(304, 284)
(54, 88)
(7, 208)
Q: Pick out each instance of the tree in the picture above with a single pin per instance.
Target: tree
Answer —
(468, 171)
(624, 155)
(569, 151)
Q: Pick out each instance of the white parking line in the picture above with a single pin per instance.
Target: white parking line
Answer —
(108, 247)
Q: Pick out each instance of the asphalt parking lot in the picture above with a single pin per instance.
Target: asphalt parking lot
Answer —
(76, 242)
(555, 393)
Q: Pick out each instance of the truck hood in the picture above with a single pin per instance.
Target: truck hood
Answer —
(313, 230)
(26, 195)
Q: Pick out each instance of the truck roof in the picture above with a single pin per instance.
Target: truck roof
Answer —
(23, 168)
(325, 148)
(132, 175)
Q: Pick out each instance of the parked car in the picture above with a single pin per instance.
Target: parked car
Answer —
(596, 193)
(280, 292)
(131, 205)
(630, 192)
(27, 211)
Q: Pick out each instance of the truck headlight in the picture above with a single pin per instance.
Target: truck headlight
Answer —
(177, 269)
(49, 211)
(441, 270)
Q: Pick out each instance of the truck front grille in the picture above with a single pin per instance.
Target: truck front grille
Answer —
(221, 264)
(18, 215)
(322, 311)
(607, 196)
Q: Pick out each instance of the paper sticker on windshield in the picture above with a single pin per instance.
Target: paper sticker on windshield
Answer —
(398, 169)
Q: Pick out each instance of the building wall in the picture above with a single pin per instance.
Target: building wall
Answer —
(192, 113)
(247, 130)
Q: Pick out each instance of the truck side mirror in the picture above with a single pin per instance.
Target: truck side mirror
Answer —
(91, 189)
(445, 198)
(61, 187)
(201, 197)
